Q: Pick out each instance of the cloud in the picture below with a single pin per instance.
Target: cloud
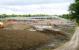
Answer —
(34, 6)
(51, 9)
(27, 2)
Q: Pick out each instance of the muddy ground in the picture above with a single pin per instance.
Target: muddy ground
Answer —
(30, 40)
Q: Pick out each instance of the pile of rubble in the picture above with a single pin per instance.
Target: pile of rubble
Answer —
(1, 25)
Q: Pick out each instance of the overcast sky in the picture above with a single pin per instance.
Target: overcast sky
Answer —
(34, 6)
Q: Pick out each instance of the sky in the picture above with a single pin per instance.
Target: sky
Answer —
(50, 7)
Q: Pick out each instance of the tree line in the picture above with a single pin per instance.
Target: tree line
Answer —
(25, 15)
(73, 12)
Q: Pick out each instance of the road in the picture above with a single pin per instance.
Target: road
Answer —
(73, 44)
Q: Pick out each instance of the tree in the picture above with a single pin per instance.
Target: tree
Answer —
(74, 11)
(66, 16)
(76, 0)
